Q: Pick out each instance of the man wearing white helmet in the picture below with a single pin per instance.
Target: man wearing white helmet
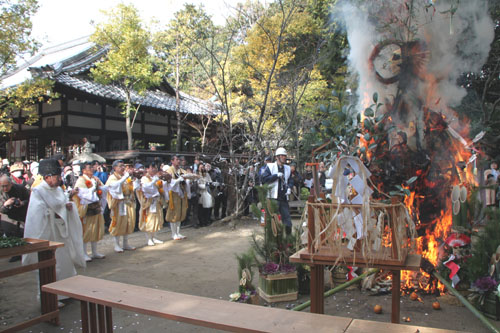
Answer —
(277, 175)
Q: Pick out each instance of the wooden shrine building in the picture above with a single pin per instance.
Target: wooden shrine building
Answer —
(85, 108)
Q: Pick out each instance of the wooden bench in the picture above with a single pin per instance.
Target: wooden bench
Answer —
(98, 297)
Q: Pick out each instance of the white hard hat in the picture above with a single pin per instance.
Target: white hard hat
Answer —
(280, 151)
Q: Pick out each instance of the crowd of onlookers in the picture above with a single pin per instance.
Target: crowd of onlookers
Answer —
(212, 195)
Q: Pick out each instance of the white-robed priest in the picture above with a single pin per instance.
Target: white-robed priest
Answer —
(52, 217)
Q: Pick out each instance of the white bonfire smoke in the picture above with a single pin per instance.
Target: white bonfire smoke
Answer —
(457, 36)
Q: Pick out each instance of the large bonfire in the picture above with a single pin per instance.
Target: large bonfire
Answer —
(408, 56)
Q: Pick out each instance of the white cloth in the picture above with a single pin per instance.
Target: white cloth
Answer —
(273, 167)
(49, 219)
(166, 189)
(150, 189)
(176, 187)
(116, 189)
(206, 199)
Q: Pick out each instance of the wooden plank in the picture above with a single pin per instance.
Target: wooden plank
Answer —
(27, 268)
(195, 310)
(100, 318)
(109, 319)
(363, 326)
(29, 248)
(384, 257)
(84, 312)
(92, 317)
(412, 262)
(25, 324)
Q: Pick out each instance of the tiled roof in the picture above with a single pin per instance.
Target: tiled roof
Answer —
(72, 68)
(152, 98)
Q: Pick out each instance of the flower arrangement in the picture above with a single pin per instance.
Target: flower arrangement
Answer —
(246, 290)
(485, 284)
(273, 268)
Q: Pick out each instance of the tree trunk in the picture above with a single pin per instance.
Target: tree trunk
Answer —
(178, 100)
(128, 123)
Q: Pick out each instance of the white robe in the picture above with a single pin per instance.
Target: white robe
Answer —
(42, 223)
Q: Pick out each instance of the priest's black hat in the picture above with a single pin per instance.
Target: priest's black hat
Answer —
(49, 167)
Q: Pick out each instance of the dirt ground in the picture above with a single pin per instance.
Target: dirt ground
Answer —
(204, 264)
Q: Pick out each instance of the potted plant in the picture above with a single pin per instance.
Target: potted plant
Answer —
(277, 277)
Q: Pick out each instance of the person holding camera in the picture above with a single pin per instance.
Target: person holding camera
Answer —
(14, 200)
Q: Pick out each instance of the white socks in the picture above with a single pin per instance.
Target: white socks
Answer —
(118, 248)
(176, 228)
(156, 241)
(149, 237)
(95, 254)
(126, 246)
(85, 254)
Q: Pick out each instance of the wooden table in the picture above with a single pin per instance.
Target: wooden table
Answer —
(47, 272)
(319, 260)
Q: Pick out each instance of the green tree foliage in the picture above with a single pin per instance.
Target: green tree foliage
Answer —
(277, 70)
(19, 102)
(128, 63)
(15, 39)
(176, 45)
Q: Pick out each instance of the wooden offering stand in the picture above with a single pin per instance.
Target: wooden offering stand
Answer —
(47, 272)
(319, 253)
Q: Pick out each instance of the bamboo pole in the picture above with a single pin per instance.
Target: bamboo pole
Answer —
(338, 288)
(467, 304)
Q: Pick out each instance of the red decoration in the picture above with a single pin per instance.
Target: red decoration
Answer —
(457, 240)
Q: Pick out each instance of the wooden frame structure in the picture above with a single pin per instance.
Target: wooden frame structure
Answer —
(317, 257)
(47, 274)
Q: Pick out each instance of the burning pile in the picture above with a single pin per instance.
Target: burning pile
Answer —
(409, 54)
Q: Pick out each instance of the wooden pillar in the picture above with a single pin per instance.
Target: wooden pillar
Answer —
(64, 122)
(311, 232)
(168, 145)
(103, 142)
(396, 286)
(317, 286)
(143, 131)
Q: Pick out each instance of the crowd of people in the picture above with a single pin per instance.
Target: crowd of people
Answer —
(77, 203)
(206, 191)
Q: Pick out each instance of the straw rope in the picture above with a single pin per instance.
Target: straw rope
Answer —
(380, 221)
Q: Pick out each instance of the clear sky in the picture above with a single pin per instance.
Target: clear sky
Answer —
(59, 21)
